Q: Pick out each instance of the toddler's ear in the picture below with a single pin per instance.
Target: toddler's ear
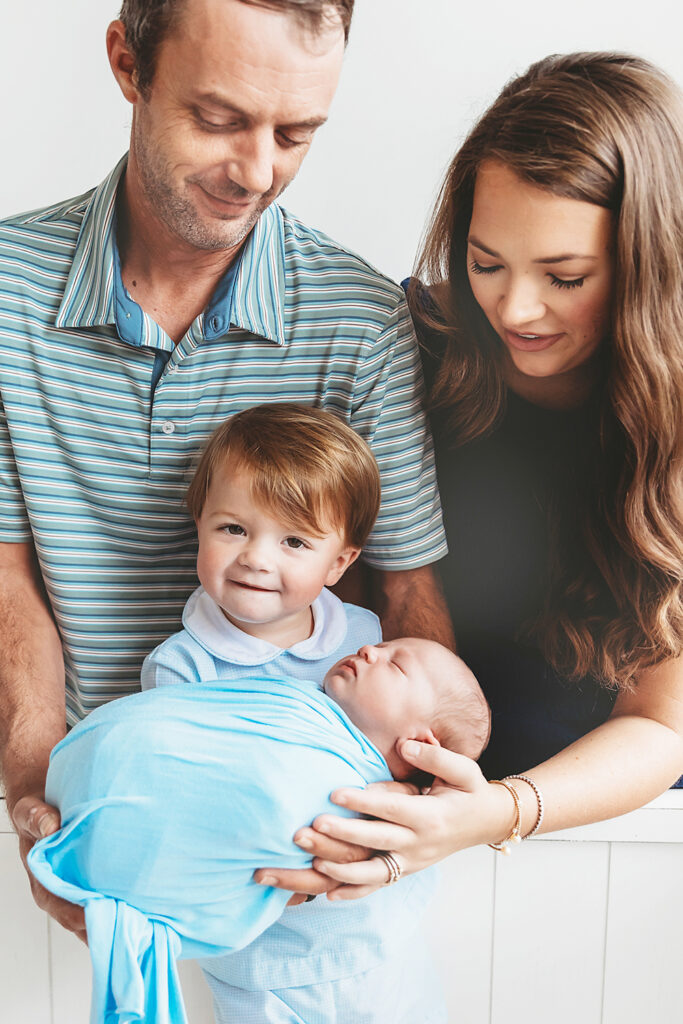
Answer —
(341, 564)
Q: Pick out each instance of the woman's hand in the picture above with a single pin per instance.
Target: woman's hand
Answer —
(460, 810)
(307, 882)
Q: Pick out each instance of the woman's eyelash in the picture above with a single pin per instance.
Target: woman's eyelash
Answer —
(477, 268)
(576, 282)
(558, 282)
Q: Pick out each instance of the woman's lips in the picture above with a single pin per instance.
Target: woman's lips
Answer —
(531, 342)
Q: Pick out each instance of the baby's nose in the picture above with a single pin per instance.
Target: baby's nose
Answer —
(368, 653)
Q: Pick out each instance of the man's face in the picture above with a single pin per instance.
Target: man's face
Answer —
(236, 98)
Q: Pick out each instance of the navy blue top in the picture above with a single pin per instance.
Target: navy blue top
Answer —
(499, 494)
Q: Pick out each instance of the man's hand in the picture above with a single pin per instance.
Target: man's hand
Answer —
(33, 819)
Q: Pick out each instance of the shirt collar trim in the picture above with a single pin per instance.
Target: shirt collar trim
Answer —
(206, 623)
(255, 305)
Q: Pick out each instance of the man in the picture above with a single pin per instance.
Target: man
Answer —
(135, 318)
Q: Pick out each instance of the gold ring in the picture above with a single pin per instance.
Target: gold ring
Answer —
(393, 867)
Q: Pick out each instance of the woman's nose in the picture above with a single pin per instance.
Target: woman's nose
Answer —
(521, 305)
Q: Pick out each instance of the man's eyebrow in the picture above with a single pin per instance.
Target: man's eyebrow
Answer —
(562, 258)
(216, 100)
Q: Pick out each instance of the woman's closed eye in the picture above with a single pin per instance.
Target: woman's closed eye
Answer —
(572, 282)
(479, 268)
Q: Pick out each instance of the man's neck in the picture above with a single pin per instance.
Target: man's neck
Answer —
(171, 280)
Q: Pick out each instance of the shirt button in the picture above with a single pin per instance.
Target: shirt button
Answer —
(167, 427)
(127, 316)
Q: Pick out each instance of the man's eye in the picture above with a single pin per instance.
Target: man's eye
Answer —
(234, 529)
(215, 126)
(294, 542)
(291, 141)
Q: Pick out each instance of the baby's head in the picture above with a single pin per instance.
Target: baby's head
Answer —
(411, 689)
(284, 498)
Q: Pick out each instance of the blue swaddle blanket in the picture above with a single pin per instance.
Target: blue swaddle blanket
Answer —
(170, 799)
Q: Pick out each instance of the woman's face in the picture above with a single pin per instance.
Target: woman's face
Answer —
(541, 267)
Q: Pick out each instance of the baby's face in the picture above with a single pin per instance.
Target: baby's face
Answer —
(390, 691)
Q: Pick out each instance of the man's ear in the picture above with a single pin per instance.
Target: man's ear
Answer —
(121, 61)
(341, 564)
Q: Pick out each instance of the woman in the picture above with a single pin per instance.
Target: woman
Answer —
(553, 325)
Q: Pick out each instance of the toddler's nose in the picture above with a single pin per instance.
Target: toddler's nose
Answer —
(256, 556)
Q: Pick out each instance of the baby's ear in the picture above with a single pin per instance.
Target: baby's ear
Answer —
(427, 736)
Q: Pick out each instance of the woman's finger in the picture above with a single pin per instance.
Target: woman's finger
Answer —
(373, 872)
(352, 892)
(454, 769)
(376, 801)
(304, 880)
(320, 845)
(369, 833)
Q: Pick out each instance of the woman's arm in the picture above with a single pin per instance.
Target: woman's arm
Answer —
(635, 755)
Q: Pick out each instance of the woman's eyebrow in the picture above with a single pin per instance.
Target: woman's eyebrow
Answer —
(565, 257)
(562, 258)
(484, 248)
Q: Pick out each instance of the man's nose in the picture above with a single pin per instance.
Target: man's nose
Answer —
(521, 304)
(252, 166)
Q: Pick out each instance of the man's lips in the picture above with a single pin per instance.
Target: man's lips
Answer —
(229, 202)
(529, 342)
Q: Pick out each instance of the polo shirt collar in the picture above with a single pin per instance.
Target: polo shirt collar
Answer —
(206, 623)
(256, 304)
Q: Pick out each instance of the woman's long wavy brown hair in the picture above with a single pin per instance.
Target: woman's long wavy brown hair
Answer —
(606, 129)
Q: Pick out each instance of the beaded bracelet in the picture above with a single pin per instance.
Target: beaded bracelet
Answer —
(515, 834)
(539, 801)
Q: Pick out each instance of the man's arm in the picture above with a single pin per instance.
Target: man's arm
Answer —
(32, 710)
(409, 602)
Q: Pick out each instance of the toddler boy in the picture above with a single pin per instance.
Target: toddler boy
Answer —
(284, 498)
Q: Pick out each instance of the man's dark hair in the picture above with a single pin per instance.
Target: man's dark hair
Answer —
(148, 22)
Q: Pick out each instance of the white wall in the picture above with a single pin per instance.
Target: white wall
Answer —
(417, 72)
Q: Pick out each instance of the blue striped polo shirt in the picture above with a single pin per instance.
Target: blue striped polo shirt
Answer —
(103, 416)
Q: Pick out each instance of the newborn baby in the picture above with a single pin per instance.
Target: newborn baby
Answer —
(170, 799)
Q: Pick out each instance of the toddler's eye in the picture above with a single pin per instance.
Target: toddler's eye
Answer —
(294, 542)
(234, 529)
